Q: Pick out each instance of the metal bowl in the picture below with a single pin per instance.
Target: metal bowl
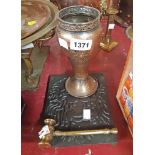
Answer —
(47, 25)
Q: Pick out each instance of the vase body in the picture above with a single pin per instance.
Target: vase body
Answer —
(78, 32)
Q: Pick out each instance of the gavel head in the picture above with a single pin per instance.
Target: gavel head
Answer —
(49, 121)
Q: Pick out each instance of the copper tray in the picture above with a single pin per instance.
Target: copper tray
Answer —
(34, 15)
(46, 20)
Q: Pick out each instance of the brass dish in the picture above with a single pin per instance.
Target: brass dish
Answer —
(47, 27)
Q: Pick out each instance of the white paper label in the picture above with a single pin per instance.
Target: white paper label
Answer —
(44, 131)
(86, 114)
(63, 43)
(80, 45)
(89, 152)
(28, 46)
(111, 26)
(131, 75)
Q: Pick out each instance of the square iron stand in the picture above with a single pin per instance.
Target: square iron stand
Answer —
(67, 111)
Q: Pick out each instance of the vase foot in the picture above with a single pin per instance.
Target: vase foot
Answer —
(81, 87)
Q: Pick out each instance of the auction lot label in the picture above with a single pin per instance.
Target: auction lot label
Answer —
(80, 45)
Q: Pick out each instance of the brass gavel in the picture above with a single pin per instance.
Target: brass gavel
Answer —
(45, 140)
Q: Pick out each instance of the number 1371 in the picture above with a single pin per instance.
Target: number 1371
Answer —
(81, 45)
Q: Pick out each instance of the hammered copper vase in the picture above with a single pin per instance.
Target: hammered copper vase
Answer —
(78, 32)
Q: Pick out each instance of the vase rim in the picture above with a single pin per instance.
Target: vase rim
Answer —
(80, 26)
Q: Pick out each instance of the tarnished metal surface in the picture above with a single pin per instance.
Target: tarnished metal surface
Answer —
(107, 44)
(34, 62)
(45, 140)
(129, 32)
(80, 23)
(34, 15)
(46, 13)
(65, 3)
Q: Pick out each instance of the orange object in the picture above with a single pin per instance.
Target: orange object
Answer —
(130, 122)
(128, 84)
(126, 111)
(122, 100)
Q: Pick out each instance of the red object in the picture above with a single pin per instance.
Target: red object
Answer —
(130, 121)
(111, 65)
(128, 83)
(122, 100)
